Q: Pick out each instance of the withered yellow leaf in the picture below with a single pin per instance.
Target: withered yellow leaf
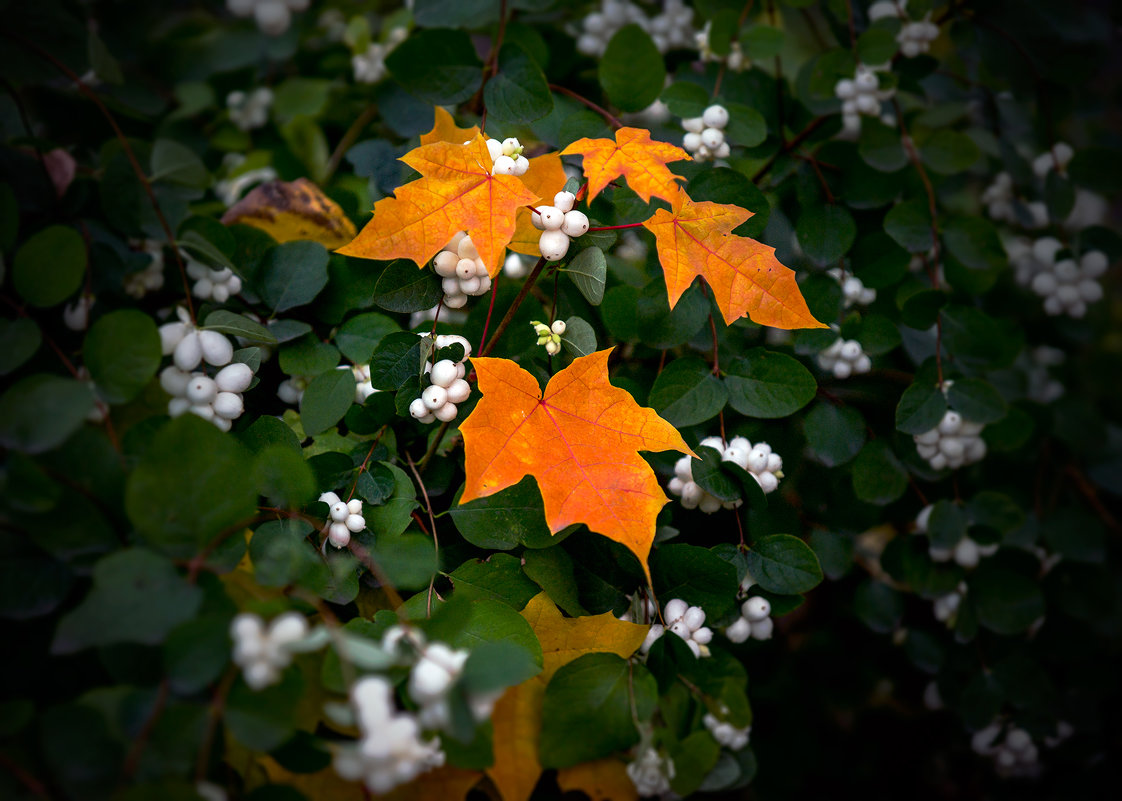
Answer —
(291, 211)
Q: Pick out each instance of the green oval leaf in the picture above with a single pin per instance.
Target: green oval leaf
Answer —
(769, 385)
(122, 352)
(784, 564)
(632, 71)
(49, 266)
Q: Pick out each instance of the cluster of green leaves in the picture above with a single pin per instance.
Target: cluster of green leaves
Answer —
(130, 542)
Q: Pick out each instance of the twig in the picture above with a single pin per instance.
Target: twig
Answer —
(132, 761)
(421, 465)
(522, 293)
(361, 121)
(610, 118)
(26, 779)
(127, 148)
(214, 715)
(801, 137)
(432, 524)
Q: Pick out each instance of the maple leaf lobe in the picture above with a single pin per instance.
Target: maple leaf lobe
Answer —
(634, 155)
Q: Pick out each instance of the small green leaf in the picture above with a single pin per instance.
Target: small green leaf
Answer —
(784, 564)
(949, 152)
(589, 709)
(396, 359)
(579, 337)
(518, 92)
(834, 434)
(920, 409)
(631, 70)
(326, 400)
(976, 400)
(769, 385)
(40, 412)
(686, 393)
(49, 266)
(238, 325)
(589, 271)
(696, 575)
(138, 596)
(439, 66)
(403, 288)
(878, 476)
(19, 339)
(685, 99)
(909, 223)
(122, 352)
(360, 335)
(826, 233)
(293, 274)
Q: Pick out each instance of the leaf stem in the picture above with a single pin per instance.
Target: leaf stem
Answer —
(361, 121)
(801, 137)
(616, 227)
(432, 525)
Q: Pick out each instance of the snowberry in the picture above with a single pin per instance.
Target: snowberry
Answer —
(504, 165)
(554, 244)
(558, 327)
(551, 218)
(420, 411)
(234, 377)
(443, 373)
(712, 138)
(716, 116)
(756, 608)
(574, 224)
(564, 201)
(651, 773)
(1057, 158)
(228, 405)
(692, 142)
(262, 653)
(434, 397)
(338, 512)
(845, 358)
(725, 733)
(696, 125)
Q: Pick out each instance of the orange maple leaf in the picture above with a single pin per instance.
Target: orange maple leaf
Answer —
(580, 441)
(455, 193)
(444, 129)
(695, 238)
(545, 177)
(634, 155)
(517, 717)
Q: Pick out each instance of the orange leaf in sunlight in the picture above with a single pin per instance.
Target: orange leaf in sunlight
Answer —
(695, 238)
(456, 192)
(635, 156)
(517, 715)
(444, 129)
(580, 440)
(290, 211)
(545, 178)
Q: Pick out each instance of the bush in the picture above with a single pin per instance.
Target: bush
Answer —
(584, 463)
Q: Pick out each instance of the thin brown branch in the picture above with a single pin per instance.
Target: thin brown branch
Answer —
(610, 118)
(349, 137)
(801, 137)
(522, 293)
(432, 525)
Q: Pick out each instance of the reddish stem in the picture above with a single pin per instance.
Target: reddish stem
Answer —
(616, 227)
(610, 118)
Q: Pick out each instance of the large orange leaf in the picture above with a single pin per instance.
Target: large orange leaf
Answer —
(580, 440)
(444, 129)
(634, 155)
(517, 715)
(695, 238)
(545, 178)
(456, 192)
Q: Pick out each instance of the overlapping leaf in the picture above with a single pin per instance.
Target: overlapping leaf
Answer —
(633, 155)
(518, 715)
(696, 239)
(455, 193)
(580, 441)
(444, 129)
(291, 211)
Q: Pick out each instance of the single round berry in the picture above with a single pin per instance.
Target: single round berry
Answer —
(712, 138)
(521, 165)
(443, 373)
(575, 224)
(446, 413)
(558, 327)
(756, 608)
(418, 409)
(552, 218)
(553, 245)
(228, 405)
(201, 389)
(434, 397)
(691, 141)
(339, 535)
(355, 523)
(694, 124)
(504, 165)
(716, 116)
(339, 512)
(234, 377)
(458, 391)
(494, 148)
(466, 249)
(216, 349)
(564, 201)
(445, 263)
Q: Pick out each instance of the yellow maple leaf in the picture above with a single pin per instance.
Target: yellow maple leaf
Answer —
(517, 716)
(456, 192)
(291, 211)
(603, 780)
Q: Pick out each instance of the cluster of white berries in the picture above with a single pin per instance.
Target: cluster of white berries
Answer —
(735, 60)
(549, 335)
(754, 620)
(1057, 158)
(447, 385)
(966, 552)
(854, 291)
(999, 198)
(210, 284)
(1066, 285)
(370, 65)
(272, 16)
(215, 399)
(688, 622)
(651, 772)
(705, 135)
(390, 751)
(343, 519)
(464, 273)
(845, 357)
(945, 606)
(249, 110)
(262, 653)
(861, 95)
(1041, 386)
(151, 278)
(669, 29)
(759, 460)
(725, 733)
(558, 223)
(1016, 755)
(915, 37)
(506, 157)
(953, 443)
